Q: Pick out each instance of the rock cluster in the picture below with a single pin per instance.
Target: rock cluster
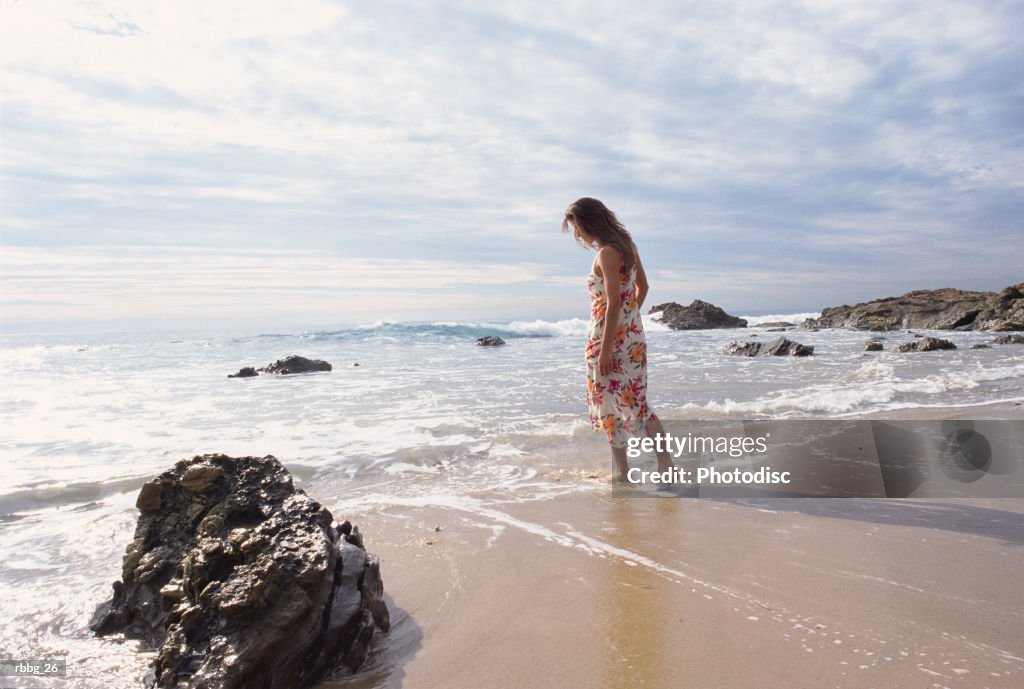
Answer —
(239, 580)
(925, 344)
(284, 367)
(699, 315)
(780, 346)
(490, 341)
(941, 309)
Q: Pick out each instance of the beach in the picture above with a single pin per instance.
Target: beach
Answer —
(581, 589)
(477, 479)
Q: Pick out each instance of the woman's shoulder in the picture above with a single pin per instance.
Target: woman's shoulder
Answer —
(610, 253)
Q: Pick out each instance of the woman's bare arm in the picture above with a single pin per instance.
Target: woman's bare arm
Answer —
(641, 281)
(609, 260)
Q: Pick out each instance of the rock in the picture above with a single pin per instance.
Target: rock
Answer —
(296, 364)
(490, 341)
(240, 580)
(699, 315)
(941, 309)
(1009, 339)
(777, 347)
(980, 346)
(149, 499)
(1004, 311)
(199, 477)
(780, 325)
(247, 372)
(873, 346)
(925, 344)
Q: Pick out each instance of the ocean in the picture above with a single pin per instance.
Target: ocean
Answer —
(425, 416)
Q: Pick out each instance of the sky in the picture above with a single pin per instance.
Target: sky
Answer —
(327, 163)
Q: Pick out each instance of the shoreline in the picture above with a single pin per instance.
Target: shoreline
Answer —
(559, 583)
(592, 590)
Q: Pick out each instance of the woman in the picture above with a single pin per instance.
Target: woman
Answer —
(616, 352)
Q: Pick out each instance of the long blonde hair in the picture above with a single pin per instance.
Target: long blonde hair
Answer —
(593, 224)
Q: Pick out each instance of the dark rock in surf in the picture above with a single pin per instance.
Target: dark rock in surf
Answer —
(778, 347)
(925, 344)
(1009, 339)
(780, 325)
(980, 346)
(296, 364)
(247, 372)
(873, 346)
(490, 341)
(240, 580)
(699, 315)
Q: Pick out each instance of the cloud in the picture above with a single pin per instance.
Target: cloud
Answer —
(810, 137)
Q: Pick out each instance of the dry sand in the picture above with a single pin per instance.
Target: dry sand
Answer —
(585, 590)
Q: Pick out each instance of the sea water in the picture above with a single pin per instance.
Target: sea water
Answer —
(425, 415)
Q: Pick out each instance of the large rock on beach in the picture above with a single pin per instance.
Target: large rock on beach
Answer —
(780, 346)
(940, 309)
(699, 315)
(240, 581)
(925, 344)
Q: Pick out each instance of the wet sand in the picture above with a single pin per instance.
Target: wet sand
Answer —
(585, 590)
(995, 410)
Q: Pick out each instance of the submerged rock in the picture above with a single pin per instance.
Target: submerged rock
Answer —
(296, 364)
(1009, 339)
(490, 341)
(240, 580)
(873, 346)
(699, 315)
(247, 372)
(925, 344)
(780, 346)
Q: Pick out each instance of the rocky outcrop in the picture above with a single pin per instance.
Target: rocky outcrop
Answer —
(941, 309)
(490, 341)
(780, 346)
(925, 344)
(1009, 339)
(285, 367)
(242, 581)
(1004, 311)
(699, 315)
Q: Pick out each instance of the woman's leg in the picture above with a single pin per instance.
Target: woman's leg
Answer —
(654, 428)
(621, 464)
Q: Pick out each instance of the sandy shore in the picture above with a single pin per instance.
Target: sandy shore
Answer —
(580, 589)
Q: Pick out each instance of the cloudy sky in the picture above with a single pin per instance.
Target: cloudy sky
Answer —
(344, 162)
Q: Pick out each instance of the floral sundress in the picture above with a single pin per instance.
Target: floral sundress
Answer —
(618, 401)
